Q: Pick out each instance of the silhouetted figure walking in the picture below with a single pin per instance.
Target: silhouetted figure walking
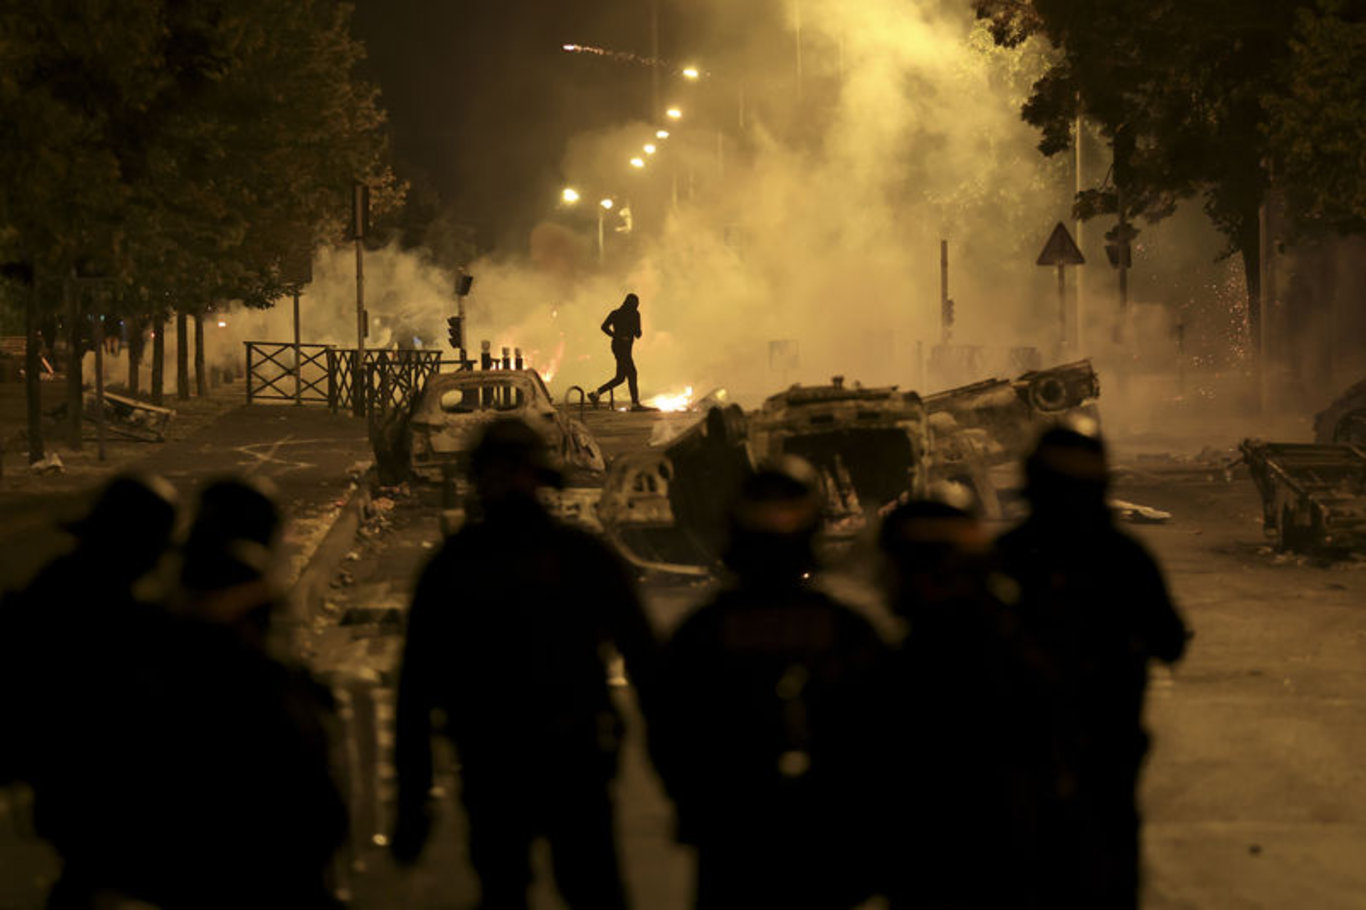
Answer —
(768, 715)
(954, 796)
(506, 636)
(1094, 610)
(622, 325)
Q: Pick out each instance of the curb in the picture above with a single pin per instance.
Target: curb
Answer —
(307, 594)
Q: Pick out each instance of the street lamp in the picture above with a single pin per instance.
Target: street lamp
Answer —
(604, 207)
(637, 162)
(569, 195)
(650, 148)
(661, 134)
(691, 72)
(673, 113)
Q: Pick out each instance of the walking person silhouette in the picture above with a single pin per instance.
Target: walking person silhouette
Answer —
(622, 325)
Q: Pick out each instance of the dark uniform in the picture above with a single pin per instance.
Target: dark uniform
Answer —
(766, 724)
(622, 325)
(953, 791)
(507, 637)
(1094, 610)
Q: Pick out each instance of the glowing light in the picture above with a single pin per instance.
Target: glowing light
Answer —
(222, 324)
(607, 204)
(673, 113)
(690, 72)
(569, 195)
(661, 134)
(676, 402)
(650, 148)
(571, 47)
(637, 162)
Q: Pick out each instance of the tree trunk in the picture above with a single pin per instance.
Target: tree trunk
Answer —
(200, 382)
(182, 356)
(1250, 249)
(135, 324)
(33, 389)
(159, 359)
(75, 392)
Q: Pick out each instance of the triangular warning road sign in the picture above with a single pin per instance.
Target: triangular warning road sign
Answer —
(1061, 249)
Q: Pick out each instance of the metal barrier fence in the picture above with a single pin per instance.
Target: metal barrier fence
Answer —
(280, 371)
(326, 375)
(393, 378)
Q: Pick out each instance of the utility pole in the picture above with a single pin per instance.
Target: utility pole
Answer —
(360, 218)
(1081, 240)
(1122, 266)
(75, 397)
(654, 62)
(1266, 297)
(945, 304)
(298, 358)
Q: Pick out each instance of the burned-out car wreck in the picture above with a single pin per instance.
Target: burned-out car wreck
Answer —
(432, 436)
(871, 446)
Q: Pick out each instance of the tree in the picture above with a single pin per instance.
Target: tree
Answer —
(1316, 124)
(180, 145)
(1177, 86)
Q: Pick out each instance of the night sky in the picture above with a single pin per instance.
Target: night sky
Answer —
(482, 99)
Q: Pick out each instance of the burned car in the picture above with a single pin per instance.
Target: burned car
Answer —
(665, 509)
(869, 445)
(452, 409)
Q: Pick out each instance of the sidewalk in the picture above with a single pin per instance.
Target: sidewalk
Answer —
(307, 453)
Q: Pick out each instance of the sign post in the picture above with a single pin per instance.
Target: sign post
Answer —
(1061, 251)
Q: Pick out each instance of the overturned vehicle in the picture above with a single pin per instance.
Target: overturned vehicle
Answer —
(665, 508)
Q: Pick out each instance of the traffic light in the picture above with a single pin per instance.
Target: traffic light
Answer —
(457, 337)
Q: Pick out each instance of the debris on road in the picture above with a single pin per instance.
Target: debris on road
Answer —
(1133, 512)
(1313, 495)
(129, 417)
(51, 463)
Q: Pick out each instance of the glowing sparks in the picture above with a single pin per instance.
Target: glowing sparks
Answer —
(675, 402)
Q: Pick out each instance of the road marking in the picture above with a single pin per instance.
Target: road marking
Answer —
(262, 454)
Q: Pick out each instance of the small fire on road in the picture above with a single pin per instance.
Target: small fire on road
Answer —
(679, 401)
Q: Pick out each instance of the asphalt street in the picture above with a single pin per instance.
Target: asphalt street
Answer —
(1253, 796)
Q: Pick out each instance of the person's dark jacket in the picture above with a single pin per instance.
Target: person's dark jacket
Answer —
(1095, 610)
(623, 324)
(753, 682)
(507, 636)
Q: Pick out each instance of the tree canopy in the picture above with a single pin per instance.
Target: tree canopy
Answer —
(1204, 99)
(182, 147)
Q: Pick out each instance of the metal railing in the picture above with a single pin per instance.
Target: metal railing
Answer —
(283, 371)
